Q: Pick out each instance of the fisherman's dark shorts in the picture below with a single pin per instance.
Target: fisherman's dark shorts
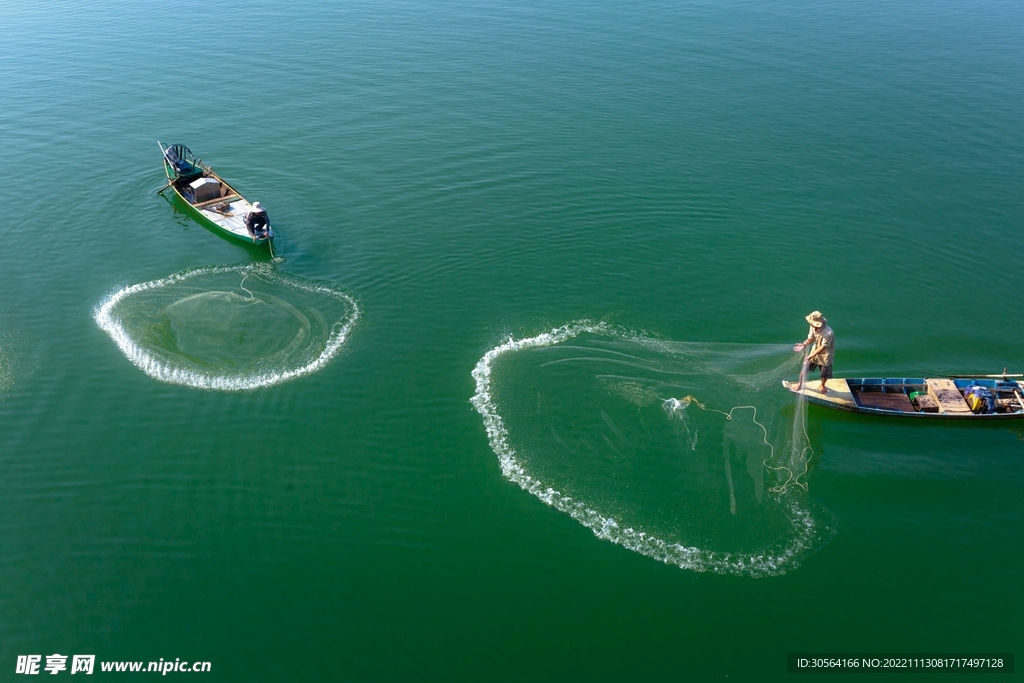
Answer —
(826, 371)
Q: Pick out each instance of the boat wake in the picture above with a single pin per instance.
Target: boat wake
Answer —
(669, 449)
(228, 328)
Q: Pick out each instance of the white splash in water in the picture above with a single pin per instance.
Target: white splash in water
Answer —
(165, 371)
(774, 561)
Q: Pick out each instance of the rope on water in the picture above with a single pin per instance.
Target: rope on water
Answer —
(792, 480)
(242, 285)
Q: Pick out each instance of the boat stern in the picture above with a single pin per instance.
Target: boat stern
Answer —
(268, 238)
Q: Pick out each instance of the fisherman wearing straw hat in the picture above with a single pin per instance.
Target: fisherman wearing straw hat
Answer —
(256, 221)
(822, 351)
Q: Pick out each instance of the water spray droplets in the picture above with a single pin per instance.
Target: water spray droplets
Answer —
(228, 328)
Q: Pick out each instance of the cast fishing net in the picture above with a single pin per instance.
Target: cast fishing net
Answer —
(689, 453)
(229, 328)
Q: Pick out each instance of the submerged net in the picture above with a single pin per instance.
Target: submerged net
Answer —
(229, 328)
(687, 452)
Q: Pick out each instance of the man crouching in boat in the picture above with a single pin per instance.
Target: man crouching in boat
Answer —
(822, 351)
(256, 222)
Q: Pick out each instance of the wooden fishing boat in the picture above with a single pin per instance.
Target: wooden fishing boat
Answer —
(206, 196)
(959, 397)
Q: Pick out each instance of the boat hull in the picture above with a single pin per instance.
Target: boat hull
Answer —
(201, 217)
(890, 397)
(206, 197)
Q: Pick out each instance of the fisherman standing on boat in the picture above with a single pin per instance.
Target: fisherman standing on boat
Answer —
(256, 221)
(821, 353)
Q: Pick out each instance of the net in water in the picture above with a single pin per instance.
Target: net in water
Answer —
(686, 452)
(229, 328)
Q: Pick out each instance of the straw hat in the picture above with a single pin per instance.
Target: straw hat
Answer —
(816, 319)
(256, 206)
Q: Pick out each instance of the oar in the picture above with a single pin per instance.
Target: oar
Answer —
(164, 187)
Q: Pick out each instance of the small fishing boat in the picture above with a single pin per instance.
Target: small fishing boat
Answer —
(206, 196)
(958, 397)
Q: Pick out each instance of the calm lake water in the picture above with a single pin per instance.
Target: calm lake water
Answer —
(447, 176)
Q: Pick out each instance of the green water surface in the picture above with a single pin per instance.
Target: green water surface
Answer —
(470, 172)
